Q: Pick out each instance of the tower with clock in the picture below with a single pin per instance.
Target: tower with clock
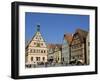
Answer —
(36, 50)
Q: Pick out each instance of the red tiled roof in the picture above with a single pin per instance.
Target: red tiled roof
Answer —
(59, 46)
(53, 46)
(68, 37)
(82, 33)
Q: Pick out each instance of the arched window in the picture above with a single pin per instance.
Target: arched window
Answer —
(41, 51)
(44, 51)
(34, 43)
(43, 58)
(31, 58)
(37, 58)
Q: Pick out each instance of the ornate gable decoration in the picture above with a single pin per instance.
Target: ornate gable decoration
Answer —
(37, 40)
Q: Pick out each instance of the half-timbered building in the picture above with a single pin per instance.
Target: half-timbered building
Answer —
(78, 46)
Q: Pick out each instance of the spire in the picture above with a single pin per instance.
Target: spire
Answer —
(38, 27)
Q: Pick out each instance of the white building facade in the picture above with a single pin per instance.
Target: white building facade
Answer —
(36, 50)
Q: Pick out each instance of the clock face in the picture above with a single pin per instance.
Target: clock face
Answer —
(38, 40)
(38, 44)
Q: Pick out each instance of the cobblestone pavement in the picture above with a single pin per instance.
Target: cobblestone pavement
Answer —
(47, 65)
(51, 65)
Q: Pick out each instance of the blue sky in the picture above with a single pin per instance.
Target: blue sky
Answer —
(53, 26)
